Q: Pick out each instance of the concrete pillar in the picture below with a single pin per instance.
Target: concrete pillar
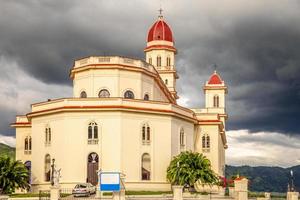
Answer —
(119, 195)
(267, 195)
(3, 197)
(98, 192)
(177, 192)
(54, 193)
(241, 189)
(292, 195)
(231, 191)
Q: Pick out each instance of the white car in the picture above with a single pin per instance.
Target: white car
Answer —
(84, 189)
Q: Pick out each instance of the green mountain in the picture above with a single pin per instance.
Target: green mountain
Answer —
(266, 179)
(7, 150)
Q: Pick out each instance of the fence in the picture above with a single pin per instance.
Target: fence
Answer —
(44, 195)
(66, 194)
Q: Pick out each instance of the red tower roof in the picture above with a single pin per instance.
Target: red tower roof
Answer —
(160, 30)
(215, 79)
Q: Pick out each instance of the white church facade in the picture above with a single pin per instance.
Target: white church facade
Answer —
(123, 117)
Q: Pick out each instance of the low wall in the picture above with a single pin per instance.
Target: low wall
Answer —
(209, 188)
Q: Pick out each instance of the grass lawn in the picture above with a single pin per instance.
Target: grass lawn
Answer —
(25, 195)
(22, 195)
(141, 193)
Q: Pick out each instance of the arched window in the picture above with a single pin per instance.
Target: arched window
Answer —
(146, 166)
(166, 81)
(158, 63)
(203, 142)
(29, 145)
(207, 142)
(150, 61)
(146, 134)
(83, 94)
(182, 144)
(93, 133)
(26, 144)
(90, 132)
(28, 167)
(47, 135)
(168, 61)
(104, 93)
(146, 97)
(47, 167)
(216, 101)
(128, 95)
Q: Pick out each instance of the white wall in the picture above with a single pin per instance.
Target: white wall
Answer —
(120, 146)
(117, 82)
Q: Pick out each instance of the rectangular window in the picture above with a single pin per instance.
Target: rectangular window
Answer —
(158, 61)
(168, 62)
(90, 132)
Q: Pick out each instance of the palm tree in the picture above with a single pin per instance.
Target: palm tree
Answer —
(13, 175)
(189, 167)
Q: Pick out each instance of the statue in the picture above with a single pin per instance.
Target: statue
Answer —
(55, 174)
(291, 185)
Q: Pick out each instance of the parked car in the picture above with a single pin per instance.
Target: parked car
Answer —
(84, 189)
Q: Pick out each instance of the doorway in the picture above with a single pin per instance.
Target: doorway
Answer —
(92, 167)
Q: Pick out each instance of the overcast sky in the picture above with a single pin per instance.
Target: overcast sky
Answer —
(256, 45)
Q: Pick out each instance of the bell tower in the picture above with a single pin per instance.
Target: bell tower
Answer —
(215, 91)
(160, 52)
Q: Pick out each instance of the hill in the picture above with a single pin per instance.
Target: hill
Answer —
(7, 150)
(268, 179)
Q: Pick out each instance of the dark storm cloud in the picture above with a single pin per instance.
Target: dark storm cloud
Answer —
(46, 36)
(258, 57)
(7, 117)
(255, 44)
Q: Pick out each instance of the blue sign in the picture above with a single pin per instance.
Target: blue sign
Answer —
(110, 181)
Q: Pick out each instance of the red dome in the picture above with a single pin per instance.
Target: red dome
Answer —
(215, 79)
(160, 31)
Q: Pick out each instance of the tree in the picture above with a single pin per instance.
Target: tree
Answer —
(13, 175)
(189, 167)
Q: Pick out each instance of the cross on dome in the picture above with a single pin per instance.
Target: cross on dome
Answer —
(160, 13)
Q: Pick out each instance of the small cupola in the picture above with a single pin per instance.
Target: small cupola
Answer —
(215, 79)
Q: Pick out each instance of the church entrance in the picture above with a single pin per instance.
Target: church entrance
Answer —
(92, 167)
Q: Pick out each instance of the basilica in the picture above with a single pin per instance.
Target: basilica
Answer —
(123, 117)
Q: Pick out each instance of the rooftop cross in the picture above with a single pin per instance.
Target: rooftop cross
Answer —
(160, 13)
(215, 66)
